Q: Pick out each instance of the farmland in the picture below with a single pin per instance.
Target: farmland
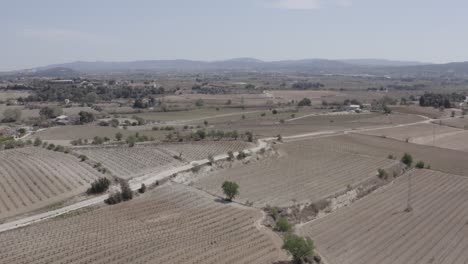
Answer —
(438, 158)
(172, 224)
(300, 174)
(427, 134)
(32, 178)
(302, 122)
(377, 229)
(126, 163)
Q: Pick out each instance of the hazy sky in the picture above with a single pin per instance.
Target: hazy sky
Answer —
(41, 32)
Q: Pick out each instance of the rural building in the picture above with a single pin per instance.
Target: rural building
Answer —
(67, 120)
(353, 107)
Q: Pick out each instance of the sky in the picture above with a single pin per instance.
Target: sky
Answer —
(42, 32)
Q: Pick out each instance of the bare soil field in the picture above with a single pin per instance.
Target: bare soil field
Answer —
(32, 178)
(202, 149)
(420, 133)
(172, 224)
(427, 134)
(248, 100)
(126, 162)
(430, 112)
(445, 160)
(376, 229)
(315, 96)
(65, 134)
(461, 123)
(300, 174)
(186, 115)
(271, 125)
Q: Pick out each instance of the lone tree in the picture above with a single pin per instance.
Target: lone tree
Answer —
(407, 159)
(230, 189)
(298, 247)
(305, 102)
(118, 136)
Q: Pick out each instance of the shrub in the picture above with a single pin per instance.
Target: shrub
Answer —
(211, 159)
(114, 198)
(199, 103)
(241, 155)
(407, 159)
(391, 156)
(127, 193)
(274, 111)
(279, 137)
(230, 189)
(195, 168)
(420, 164)
(298, 247)
(131, 140)
(99, 186)
(51, 146)
(249, 136)
(382, 174)
(118, 136)
(142, 188)
(283, 225)
(37, 142)
(230, 155)
(82, 157)
(305, 102)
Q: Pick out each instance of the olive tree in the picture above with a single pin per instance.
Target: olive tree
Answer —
(230, 189)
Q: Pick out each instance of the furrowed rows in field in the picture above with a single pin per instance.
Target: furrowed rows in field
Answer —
(302, 174)
(376, 229)
(201, 150)
(172, 224)
(31, 178)
(126, 162)
(438, 158)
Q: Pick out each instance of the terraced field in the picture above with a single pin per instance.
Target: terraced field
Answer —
(301, 174)
(201, 149)
(376, 229)
(32, 178)
(441, 159)
(126, 162)
(172, 224)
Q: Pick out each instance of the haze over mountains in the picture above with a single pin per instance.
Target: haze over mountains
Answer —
(378, 67)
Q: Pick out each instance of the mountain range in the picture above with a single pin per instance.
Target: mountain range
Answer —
(376, 67)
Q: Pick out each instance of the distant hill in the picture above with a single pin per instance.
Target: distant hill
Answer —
(375, 67)
(383, 63)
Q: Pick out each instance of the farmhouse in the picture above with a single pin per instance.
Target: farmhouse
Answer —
(353, 107)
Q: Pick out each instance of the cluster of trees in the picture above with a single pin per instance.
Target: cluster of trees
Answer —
(99, 186)
(440, 100)
(305, 102)
(90, 94)
(305, 85)
(125, 194)
(50, 112)
(86, 117)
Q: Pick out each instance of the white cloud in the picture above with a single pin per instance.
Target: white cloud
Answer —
(297, 4)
